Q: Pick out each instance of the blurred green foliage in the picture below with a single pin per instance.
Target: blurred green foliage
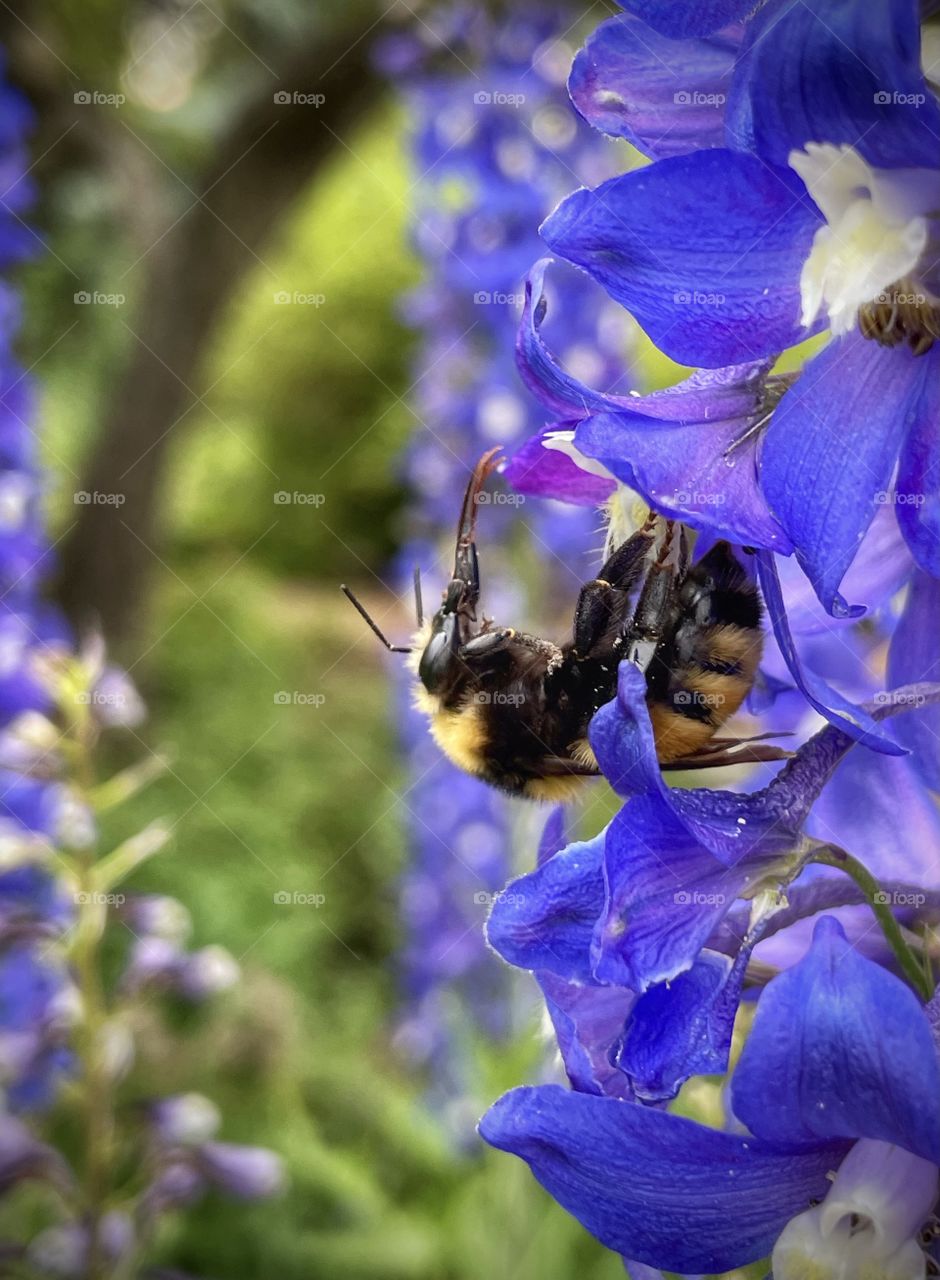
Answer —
(268, 797)
(308, 392)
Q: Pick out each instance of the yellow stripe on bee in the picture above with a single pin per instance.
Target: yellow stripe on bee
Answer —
(461, 734)
(554, 790)
(677, 735)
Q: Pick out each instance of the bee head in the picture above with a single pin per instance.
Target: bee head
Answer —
(453, 624)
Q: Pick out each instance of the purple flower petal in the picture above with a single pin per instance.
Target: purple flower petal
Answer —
(621, 737)
(880, 569)
(549, 473)
(695, 471)
(552, 839)
(917, 491)
(823, 485)
(840, 1048)
(557, 389)
(853, 720)
(704, 249)
(680, 18)
(247, 1173)
(588, 1022)
(544, 920)
(683, 1028)
(732, 827)
(913, 657)
(664, 96)
(666, 895)
(654, 1186)
(859, 808)
(836, 71)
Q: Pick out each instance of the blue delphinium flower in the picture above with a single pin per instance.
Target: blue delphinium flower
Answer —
(792, 190)
(691, 451)
(670, 900)
(840, 1075)
(819, 212)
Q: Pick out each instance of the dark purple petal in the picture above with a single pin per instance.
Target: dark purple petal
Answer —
(707, 395)
(705, 250)
(917, 491)
(666, 895)
(664, 96)
(588, 1022)
(730, 826)
(549, 473)
(836, 71)
(621, 737)
(654, 1186)
(880, 569)
(545, 920)
(679, 18)
(558, 390)
(830, 450)
(913, 657)
(683, 1028)
(32, 804)
(840, 1048)
(853, 720)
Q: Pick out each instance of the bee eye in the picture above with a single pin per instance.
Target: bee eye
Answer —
(434, 669)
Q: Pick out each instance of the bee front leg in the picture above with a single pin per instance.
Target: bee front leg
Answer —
(486, 643)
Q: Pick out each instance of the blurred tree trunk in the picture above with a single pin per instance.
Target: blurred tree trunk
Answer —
(266, 159)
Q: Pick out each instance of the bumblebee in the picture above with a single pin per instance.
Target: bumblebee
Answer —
(513, 709)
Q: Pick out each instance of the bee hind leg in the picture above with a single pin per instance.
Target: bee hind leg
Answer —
(655, 608)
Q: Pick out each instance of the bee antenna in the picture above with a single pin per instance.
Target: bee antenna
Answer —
(419, 606)
(392, 648)
(468, 511)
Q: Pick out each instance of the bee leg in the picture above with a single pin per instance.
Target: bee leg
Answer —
(594, 612)
(600, 601)
(623, 568)
(657, 603)
(685, 555)
(488, 642)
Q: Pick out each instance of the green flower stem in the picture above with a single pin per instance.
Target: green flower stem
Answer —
(99, 1121)
(833, 856)
(96, 1087)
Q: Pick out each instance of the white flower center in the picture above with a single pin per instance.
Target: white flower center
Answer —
(624, 511)
(877, 229)
(563, 442)
(866, 1227)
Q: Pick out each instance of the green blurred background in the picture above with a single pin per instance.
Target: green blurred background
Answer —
(200, 395)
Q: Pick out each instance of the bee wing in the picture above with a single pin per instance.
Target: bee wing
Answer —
(727, 751)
